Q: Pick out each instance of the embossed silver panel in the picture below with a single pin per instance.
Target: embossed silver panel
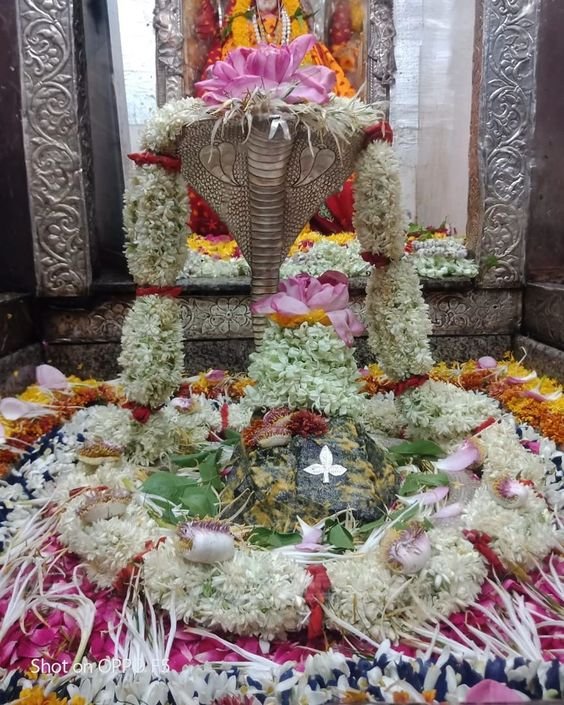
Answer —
(381, 63)
(57, 143)
(506, 128)
(478, 312)
(169, 49)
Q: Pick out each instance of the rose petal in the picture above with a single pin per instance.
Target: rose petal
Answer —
(521, 380)
(490, 691)
(51, 378)
(463, 457)
(487, 363)
(449, 511)
(430, 496)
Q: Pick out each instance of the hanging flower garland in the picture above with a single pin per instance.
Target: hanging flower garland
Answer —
(397, 316)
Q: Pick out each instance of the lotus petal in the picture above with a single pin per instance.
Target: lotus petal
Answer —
(51, 378)
(490, 691)
(465, 456)
(487, 363)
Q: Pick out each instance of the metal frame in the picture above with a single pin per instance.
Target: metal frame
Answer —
(57, 143)
(57, 139)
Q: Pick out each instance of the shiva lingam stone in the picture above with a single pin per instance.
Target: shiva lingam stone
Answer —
(265, 183)
(312, 477)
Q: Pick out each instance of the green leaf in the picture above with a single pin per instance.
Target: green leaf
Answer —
(167, 485)
(192, 460)
(200, 501)
(418, 449)
(406, 515)
(273, 539)
(209, 471)
(339, 537)
(417, 481)
(231, 437)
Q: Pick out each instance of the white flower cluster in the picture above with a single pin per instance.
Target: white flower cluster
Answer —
(107, 546)
(378, 218)
(198, 264)
(379, 603)
(259, 593)
(442, 258)
(521, 535)
(155, 215)
(505, 456)
(163, 129)
(152, 356)
(451, 247)
(444, 411)
(398, 321)
(380, 414)
(304, 367)
(168, 431)
(324, 256)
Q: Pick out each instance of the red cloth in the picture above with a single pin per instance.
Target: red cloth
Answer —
(141, 158)
(315, 597)
(375, 260)
(481, 542)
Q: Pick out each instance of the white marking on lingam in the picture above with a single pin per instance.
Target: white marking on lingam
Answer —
(325, 467)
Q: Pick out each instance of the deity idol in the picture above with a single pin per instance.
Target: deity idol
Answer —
(249, 23)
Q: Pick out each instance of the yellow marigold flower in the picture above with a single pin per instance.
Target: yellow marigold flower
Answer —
(37, 696)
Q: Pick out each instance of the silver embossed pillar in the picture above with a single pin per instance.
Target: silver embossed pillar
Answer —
(265, 184)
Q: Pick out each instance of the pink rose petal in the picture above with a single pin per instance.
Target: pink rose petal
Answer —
(490, 691)
(51, 378)
(463, 457)
(487, 363)
(449, 511)
(521, 380)
(430, 496)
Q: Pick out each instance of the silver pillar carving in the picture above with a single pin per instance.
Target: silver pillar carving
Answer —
(381, 63)
(505, 133)
(170, 50)
(57, 143)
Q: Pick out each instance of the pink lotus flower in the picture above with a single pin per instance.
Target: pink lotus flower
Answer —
(298, 296)
(271, 70)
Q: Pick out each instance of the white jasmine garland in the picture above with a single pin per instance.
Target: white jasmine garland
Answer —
(256, 593)
(169, 431)
(199, 264)
(398, 321)
(439, 267)
(155, 215)
(506, 457)
(152, 356)
(522, 535)
(378, 217)
(380, 413)
(108, 545)
(324, 256)
(304, 367)
(444, 411)
(164, 128)
(366, 594)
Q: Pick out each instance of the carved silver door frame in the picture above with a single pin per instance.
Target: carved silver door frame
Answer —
(57, 139)
(57, 143)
